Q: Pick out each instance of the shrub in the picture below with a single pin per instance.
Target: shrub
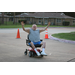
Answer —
(66, 23)
(22, 20)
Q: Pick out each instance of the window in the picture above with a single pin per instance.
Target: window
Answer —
(39, 21)
(58, 20)
(73, 20)
(46, 21)
(28, 19)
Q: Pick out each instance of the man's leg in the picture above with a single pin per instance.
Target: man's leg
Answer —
(43, 44)
(34, 48)
(32, 45)
(43, 48)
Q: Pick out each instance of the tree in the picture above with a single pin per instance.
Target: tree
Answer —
(16, 13)
(72, 14)
(14, 18)
(43, 18)
(2, 17)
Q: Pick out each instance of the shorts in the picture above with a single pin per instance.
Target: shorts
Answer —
(36, 43)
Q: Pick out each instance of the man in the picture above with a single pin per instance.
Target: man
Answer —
(34, 37)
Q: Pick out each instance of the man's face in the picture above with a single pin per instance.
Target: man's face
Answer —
(34, 27)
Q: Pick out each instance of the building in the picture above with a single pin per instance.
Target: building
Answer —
(6, 18)
(44, 17)
(40, 18)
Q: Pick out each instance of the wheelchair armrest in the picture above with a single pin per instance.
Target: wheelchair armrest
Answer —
(41, 40)
(27, 41)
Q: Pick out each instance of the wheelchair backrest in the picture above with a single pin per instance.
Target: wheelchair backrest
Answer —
(28, 41)
(28, 36)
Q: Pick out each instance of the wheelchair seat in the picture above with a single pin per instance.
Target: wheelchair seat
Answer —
(28, 41)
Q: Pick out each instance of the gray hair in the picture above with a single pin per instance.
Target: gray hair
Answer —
(34, 25)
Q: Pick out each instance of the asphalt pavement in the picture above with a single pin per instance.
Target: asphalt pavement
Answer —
(12, 49)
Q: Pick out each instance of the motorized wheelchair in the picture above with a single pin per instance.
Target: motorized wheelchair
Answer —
(31, 52)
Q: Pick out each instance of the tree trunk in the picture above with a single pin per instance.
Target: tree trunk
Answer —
(43, 18)
(14, 19)
(2, 17)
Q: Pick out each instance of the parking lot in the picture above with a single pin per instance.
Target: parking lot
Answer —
(12, 49)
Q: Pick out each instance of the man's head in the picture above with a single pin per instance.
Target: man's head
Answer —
(34, 26)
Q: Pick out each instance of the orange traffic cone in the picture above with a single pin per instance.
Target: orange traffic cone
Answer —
(18, 34)
(46, 35)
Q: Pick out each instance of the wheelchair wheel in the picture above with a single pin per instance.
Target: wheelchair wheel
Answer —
(41, 55)
(25, 52)
(30, 54)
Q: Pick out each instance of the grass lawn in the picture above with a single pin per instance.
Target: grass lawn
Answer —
(12, 26)
(19, 26)
(67, 36)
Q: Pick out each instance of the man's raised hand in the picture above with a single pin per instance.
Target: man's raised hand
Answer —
(22, 23)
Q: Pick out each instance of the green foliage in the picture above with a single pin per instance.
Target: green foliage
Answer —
(71, 14)
(22, 20)
(66, 23)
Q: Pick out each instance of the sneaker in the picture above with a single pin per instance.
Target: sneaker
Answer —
(43, 53)
(38, 53)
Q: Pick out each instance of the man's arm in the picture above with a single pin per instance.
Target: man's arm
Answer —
(45, 27)
(26, 30)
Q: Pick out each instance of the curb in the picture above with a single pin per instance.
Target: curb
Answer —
(61, 40)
